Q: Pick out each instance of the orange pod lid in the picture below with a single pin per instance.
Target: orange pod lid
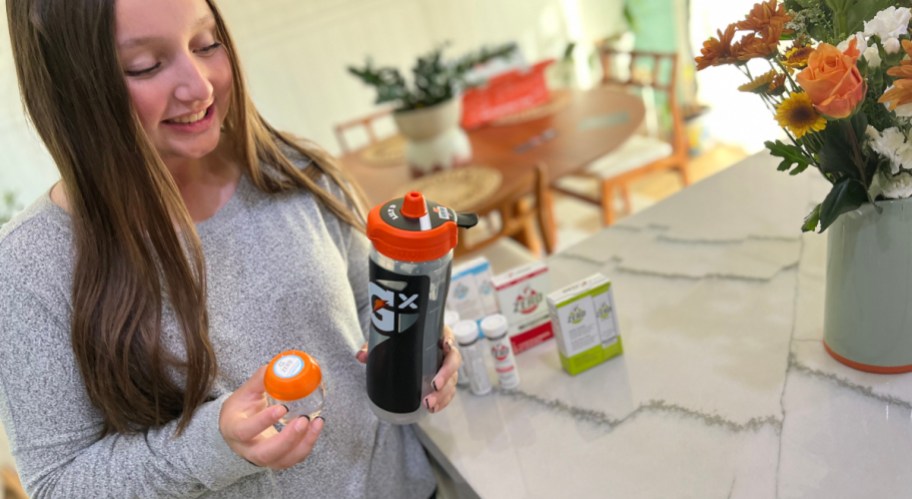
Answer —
(292, 375)
(413, 229)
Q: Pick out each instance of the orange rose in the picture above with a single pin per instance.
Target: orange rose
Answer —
(832, 80)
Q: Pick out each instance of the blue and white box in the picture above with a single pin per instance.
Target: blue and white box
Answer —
(471, 293)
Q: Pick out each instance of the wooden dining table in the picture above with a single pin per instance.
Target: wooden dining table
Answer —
(570, 131)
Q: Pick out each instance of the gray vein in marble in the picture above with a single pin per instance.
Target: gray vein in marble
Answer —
(722, 276)
(720, 242)
(585, 259)
(651, 406)
(788, 366)
(862, 390)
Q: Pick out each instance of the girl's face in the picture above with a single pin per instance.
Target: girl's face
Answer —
(177, 72)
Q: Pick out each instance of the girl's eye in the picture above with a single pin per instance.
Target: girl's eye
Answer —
(142, 72)
(209, 48)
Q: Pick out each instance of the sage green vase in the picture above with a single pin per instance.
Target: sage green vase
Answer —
(868, 307)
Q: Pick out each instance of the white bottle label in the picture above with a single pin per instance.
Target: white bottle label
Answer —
(505, 363)
(288, 366)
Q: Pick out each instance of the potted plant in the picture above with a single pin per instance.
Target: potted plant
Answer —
(842, 92)
(428, 109)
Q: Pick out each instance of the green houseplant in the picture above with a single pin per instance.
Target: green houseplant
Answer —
(434, 80)
(428, 109)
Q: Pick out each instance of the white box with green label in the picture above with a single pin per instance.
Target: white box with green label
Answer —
(585, 323)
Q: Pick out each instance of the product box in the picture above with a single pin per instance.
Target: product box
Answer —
(585, 323)
(521, 295)
(471, 294)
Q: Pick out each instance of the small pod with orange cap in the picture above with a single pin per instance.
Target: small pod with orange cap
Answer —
(294, 379)
(413, 240)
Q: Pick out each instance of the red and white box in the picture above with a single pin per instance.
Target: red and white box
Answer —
(521, 295)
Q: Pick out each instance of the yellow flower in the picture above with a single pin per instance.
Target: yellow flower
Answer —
(769, 83)
(797, 57)
(797, 115)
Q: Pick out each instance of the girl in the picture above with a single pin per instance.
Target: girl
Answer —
(187, 243)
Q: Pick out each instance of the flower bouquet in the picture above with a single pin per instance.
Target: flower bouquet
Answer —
(839, 83)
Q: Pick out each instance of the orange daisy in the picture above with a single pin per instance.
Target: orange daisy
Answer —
(763, 16)
(901, 91)
(717, 51)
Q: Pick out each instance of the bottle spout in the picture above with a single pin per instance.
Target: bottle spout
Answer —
(466, 220)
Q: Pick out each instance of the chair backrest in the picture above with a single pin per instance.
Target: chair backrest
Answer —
(367, 125)
(525, 215)
(653, 75)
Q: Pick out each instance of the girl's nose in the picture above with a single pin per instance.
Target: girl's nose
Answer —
(193, 84)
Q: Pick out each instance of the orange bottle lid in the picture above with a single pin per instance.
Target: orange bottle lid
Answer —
(412, 229)
(292, 375)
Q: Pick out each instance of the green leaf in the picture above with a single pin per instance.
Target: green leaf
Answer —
(790, 154)
(811, 220)
(846, 195)
(841, 155)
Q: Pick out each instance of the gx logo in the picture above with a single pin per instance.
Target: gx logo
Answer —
(393, 311)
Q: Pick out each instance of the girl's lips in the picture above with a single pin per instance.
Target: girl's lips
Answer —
(196, 126)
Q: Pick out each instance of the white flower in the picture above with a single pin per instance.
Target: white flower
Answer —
(891, 45)
(889, 23)
(861, 44)
(893, 145)
(872, 55)
(895, 186)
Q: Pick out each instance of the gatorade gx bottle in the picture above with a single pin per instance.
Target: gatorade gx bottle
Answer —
(413, 241)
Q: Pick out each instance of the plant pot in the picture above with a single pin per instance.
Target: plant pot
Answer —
(867, 312)
(434, 139)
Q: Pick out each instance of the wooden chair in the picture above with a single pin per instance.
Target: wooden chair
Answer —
(367, 124)
(653, 76)
(517, 229)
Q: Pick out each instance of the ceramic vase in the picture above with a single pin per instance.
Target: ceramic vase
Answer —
(434, 139)
(868, 304)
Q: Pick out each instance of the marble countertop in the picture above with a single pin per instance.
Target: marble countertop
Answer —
(724, 389)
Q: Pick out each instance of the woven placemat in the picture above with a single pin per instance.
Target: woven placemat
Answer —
(387, 152)
(559, 100)
(460, 188)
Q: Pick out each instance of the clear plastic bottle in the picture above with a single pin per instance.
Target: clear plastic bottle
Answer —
(294, 379)
(472, 351)
(450, 318)
(494, 328)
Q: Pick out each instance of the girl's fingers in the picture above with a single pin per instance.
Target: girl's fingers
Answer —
(361, 355)
(304, 446)
(247, 429)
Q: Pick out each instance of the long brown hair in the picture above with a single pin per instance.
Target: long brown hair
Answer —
(135, 243)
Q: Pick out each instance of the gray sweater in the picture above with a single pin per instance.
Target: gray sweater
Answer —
(282, 273)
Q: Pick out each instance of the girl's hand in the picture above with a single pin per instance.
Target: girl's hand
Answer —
(246, 424)
(444, 383)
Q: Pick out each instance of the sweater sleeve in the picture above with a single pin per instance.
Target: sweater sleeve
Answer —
(54, 429)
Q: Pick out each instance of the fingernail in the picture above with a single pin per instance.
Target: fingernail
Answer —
(305, 416)
(321, 417)
(301, 425)
(434, 384)
(427, 404)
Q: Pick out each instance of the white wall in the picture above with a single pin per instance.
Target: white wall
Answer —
(295, 53)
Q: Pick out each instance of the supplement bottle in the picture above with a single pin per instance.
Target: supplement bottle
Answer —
(293, 379)
(473, 351)
(494, 328)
